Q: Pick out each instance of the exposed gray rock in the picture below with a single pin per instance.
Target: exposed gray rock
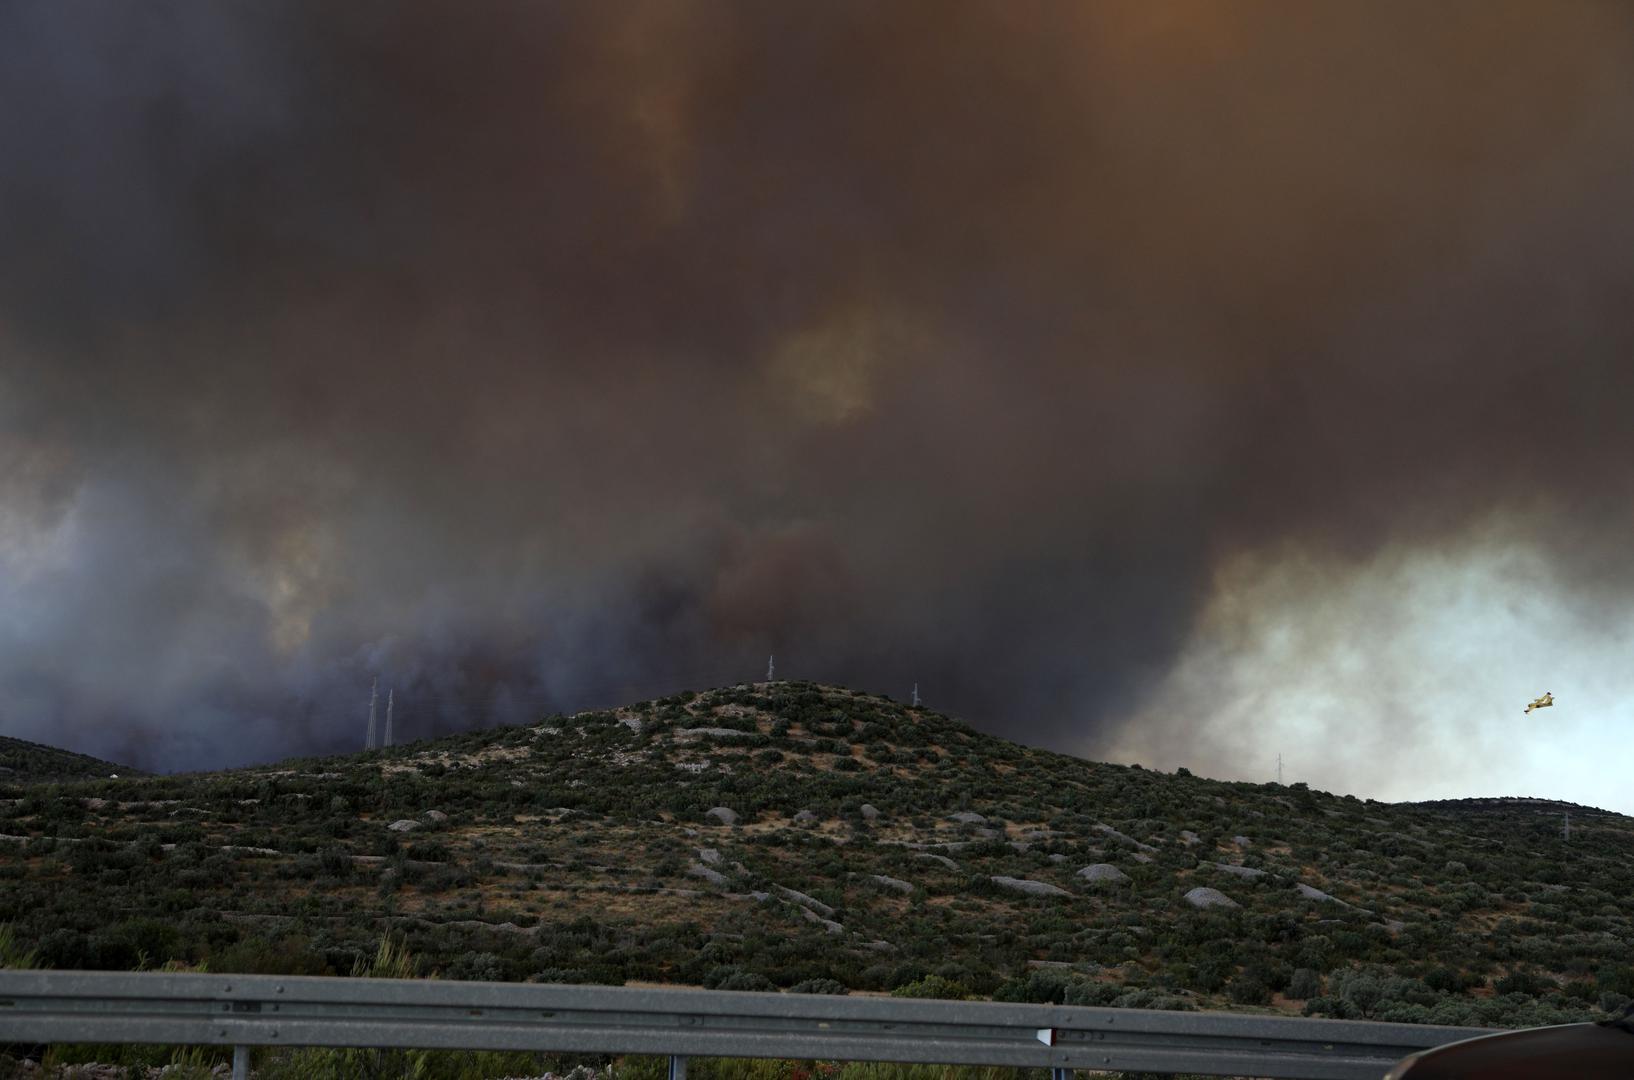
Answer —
(891, 883)
(805, 817)
(803, 900)
(869, 812)
(1116, 835)
(714, 877)
(1311, 893)
(709, 856)
(1141, 857)
(1241, 841)
(1103, 872)
(1189, 838)
(404, 825)
(1031, 888)
(712, 732)
(631, 722)
(436, 815)
(1057, 857)
(967, 817)
(1247, 872)
(1206, 898)
(723, 815)
(827, 924)
(943, 859)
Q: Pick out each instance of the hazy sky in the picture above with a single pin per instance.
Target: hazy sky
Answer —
(1181, 383)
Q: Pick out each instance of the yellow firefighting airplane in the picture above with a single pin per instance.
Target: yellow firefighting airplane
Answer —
(1541, 703)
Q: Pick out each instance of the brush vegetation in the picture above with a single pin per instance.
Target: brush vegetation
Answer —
(27, 762)
(868, 847)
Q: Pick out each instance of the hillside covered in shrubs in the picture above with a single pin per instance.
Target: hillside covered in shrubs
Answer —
(802, 837)
(22, 761)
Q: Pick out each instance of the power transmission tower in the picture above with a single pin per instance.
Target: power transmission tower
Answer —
(916, 695)
(771, 668)
(374, 693)
(389, 695)
(1279, 770)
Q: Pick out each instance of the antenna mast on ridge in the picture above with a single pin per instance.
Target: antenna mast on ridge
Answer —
(916, 695)
(389, 695)
(771, 668)
(1566, 826)
(374, 693)
(1279, 770)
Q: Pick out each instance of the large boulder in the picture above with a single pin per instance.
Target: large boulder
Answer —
(1103, 873)
(723, 815)
(891, 883)
(870, 812)
(1116, 835)
(1310, 892)
(1031, 888)
(1207, 898)
(810, 902)
(1248, 873)
(714, 877)
(967, 817)
(403, 825)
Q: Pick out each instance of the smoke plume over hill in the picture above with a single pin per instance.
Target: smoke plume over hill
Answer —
(528, 353)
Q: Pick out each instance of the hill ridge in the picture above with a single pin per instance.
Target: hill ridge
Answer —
(793, 835)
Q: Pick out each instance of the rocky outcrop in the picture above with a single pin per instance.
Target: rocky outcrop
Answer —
(699, 870)
(1248, 873)
(1103, 873)
(1116, 835)
(1209, 898)
(803, 900)
(1031, 888)
(891, 883)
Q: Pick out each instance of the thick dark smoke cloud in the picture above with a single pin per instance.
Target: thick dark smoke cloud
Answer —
(536, 355)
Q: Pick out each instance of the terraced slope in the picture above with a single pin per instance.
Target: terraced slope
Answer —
(808, 837)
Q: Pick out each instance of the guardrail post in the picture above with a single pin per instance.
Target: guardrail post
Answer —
(1060, 1074)
(241, 1063)
(677, 1067)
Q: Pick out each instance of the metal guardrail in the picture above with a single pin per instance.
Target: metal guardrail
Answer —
(263, 1010)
